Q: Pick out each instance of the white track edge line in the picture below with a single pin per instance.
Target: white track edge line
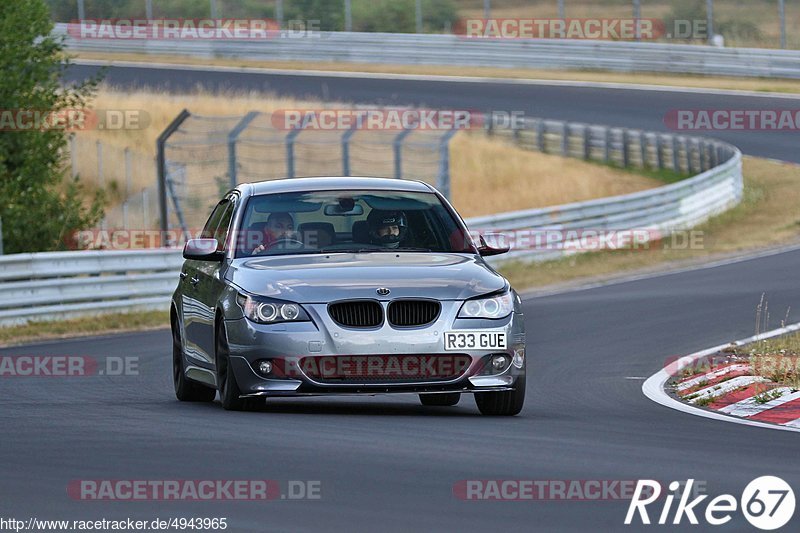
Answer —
(653, 387)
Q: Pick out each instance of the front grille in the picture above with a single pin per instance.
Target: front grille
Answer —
(409, 313)
(357, 313)
(385, 369)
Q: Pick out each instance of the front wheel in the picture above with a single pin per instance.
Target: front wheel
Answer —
(503, 403)
(440, 400)
(228, 388)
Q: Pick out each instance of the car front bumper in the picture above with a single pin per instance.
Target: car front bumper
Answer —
(321, 340)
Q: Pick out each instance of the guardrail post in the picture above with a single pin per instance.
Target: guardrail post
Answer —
(540, 140)
(233, 137)
(587, 142)
(607, 144)
(161, 162)
(643, 149)
(626, 156)
(443, 179)
(346, 149)
(565, 140)
(675, 162)
(398, 153)
(660, 151)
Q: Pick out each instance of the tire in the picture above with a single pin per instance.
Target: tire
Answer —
(505, 403)
(228, 388)
(185, 389)
(440, 400)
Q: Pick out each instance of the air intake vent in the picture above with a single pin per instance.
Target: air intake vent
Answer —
(357, 313)
(410, 313)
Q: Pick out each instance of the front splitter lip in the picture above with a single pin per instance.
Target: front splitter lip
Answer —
(377, 392)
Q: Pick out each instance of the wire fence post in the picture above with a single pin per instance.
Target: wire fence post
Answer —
(710, 20)
(279, 12)
(637, 15)
(398, 153)
(346, 149)
(73, 156)
(1, 235)
(81, 10)
(443, 178)
(290, 138)
(487, 9)
(127, 186)
(418, 15)
(782, 14)
(565, 140)
(148, 9)
(233, 138)
(626, 155)
(348, 16)
(587, 142)
(540, 138)
(161, 166)
(561, 10)
(100, 179)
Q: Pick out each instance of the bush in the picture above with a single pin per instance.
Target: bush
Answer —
(39, 208)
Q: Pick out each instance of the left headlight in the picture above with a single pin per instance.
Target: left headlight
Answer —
(495, 307)
(270, 311)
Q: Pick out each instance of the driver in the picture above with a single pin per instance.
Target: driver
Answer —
(280, 226)
(387, 228)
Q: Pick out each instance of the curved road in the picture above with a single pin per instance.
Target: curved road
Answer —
(388, 463)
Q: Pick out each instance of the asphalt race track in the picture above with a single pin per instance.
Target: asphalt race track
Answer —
(388, 463)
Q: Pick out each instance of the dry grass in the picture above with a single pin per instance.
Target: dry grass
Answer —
(671, 80)
(78, 327)
(778, 359)
(768, 216)
(493, 176)
(489, 175)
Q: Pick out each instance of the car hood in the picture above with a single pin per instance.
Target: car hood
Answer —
(325, 278)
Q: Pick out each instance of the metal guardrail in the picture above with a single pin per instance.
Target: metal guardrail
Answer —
(434, 49)
(58, 285)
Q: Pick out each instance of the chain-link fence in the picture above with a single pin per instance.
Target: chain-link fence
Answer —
(206, 156)
(127, 178)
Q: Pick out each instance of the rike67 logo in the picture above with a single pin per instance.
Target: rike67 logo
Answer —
(767, 503)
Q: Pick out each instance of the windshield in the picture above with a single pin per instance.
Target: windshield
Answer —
(349, 221)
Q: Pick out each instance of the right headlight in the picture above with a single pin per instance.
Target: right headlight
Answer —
(270, 311)
(495, 307)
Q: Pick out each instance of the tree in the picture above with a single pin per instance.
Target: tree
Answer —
(40, 208)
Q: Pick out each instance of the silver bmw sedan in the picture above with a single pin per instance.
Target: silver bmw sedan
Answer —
(325, 286)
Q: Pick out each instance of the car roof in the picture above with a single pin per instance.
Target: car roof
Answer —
(332, 183)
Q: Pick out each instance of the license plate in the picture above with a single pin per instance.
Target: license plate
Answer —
(474, 340)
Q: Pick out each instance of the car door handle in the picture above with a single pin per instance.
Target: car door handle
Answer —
(183, 275)
(194, 281)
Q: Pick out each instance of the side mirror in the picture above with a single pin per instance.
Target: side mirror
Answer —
(493, 244)
(202, 250)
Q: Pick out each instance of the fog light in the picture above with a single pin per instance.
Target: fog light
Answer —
(519, 357)
(500, 363)
(265, 367)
